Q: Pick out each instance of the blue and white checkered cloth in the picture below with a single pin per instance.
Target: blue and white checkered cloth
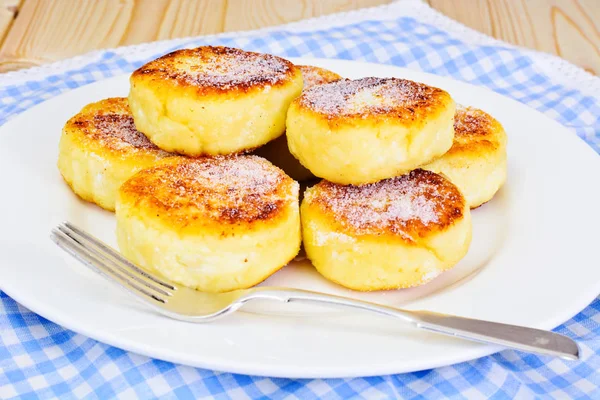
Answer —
(39, 359)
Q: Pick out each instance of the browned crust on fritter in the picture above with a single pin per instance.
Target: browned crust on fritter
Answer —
(217, 70)
(475, 131)
(409, 207)
(317, 76)
(108, 123)
(402, 100)
(222, 190)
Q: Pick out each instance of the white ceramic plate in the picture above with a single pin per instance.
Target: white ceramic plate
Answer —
(534, 251)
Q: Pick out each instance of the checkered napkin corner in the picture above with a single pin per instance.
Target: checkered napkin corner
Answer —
(39, 359)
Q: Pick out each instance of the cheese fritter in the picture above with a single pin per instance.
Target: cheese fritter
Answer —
(477, 160)
(213, 100)
(396, 233)
(100, 148)
(214, 224)
(361, 131)
(312, 75)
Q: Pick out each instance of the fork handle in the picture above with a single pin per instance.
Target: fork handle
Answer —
(530, 340)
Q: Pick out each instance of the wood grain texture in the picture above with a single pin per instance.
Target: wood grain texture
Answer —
(46, 30)
(568, 28)
(252, 14)
(8, 10)
(173, 19)
(49, 30)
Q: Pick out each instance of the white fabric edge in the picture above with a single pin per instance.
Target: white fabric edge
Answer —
(558, 69)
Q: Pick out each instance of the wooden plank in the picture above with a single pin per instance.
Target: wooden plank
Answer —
(167, 19)
(49, 30)
(8, 10)
(253, 14)
(568, 28)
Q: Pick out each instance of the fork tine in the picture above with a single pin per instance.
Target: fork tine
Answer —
(116, 259)
(115, 255)
(78, 250)
(109, 262)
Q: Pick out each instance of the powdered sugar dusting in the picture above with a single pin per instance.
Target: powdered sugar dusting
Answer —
(224, 188)
(470, 121)
(317, 76)
(397, 199)
(122, 128)
(231, 175)
(404, 205)
(109, 122)
(369, 95)
(221, 68)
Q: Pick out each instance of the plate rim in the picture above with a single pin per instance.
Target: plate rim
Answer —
(472, 353)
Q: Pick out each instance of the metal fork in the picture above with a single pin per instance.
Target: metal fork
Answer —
(178, 302)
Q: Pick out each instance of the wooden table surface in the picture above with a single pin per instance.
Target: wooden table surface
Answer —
(33, 32)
